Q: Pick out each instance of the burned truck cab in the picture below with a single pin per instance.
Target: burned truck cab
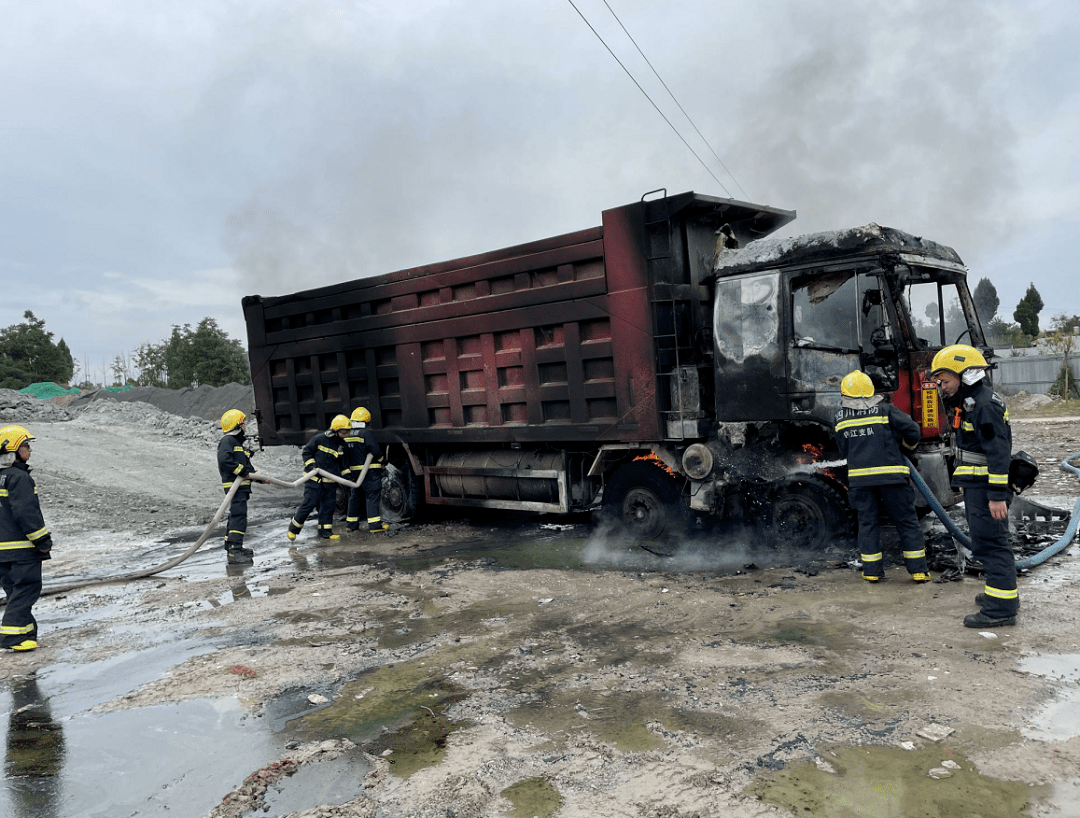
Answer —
(793, 316)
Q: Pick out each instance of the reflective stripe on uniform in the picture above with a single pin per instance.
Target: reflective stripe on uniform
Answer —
(14, 544)
(998, 593)
(876, 470)
(870, 557)
(15, 630)
(865, 421)
(970, 471)
(915, 555)
(329, 451)
(997, 479)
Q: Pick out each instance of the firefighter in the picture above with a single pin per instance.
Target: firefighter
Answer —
(234, 463)
(324, 451)
(874, 436)
(25, 542)
(983, 455)
(358, 445)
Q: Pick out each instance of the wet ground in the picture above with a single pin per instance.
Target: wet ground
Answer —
(73, 749)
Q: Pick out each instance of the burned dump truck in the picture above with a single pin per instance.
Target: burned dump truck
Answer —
(671, 363)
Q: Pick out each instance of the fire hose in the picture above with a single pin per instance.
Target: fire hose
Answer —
(256, 476)
(959, 536)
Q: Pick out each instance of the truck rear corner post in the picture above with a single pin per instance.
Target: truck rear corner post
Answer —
(672, 362)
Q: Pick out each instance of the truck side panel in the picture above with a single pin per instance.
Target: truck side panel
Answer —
(515, 345)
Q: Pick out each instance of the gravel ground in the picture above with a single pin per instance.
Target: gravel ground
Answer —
(637, 692)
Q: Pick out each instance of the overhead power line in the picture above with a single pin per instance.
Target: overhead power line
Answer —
(676, 101)
(654, 105)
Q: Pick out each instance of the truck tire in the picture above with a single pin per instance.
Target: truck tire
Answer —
(400, 494)
(645, 502)
(806, 513)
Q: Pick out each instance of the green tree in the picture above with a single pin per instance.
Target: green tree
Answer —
(203, 355)
(1027, 311)
(1060, 340)
(28, 355)
(1003, 333)
(986, 301)
(149, 359)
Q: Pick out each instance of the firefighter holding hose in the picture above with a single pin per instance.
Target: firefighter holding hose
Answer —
(360, 443)
(234, 463)
(983, 456)
(324, 451)
(874, 436)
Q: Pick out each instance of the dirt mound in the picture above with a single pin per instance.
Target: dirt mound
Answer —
(208, 402)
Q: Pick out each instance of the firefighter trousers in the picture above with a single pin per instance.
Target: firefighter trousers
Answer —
(898, 501)
(371, 492)
(990, 545)
(236, 527)
(317, 495)
(21, 582)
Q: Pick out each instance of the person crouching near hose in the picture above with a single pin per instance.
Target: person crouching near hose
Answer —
(324, 451)
(874, 437)
(25, 542)
(234, 463)
(983, 455)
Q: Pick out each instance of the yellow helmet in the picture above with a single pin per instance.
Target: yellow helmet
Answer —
(231, 419)
(12, 437)
(361, 414)
(957, 358)
(338, 423)
(856, 384)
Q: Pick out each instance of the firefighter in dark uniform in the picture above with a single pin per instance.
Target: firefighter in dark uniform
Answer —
(983, 456)
(324, 451)
(25, 542)
(358, 445)
(234, 463)
(874, 436)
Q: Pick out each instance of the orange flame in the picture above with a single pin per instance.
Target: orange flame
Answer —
(654, 458)
(814, 454)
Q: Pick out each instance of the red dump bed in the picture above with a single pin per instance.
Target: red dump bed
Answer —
(550, 340)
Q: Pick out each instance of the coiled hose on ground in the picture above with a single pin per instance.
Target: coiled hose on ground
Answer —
(1027, 562)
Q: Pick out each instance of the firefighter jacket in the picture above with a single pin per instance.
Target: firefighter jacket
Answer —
(23, 535)
(983, 439)
(871, 435)
(324, 451)
(358, 445)
(233, 460)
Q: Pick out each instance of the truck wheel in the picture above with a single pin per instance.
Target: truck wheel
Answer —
(806, 514)
(645, 501)
(400, 494)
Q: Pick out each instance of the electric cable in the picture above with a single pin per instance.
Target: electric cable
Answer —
(654, 105)
(676, 101)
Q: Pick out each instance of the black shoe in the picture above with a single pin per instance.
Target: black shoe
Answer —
(981, 620)
(236, 556)
(352, 528)
(982, 599)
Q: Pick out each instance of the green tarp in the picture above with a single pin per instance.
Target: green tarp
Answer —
(48, 389)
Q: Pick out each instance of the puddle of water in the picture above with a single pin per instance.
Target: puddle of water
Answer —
(1059, 719)
(887, 782)
(168, 760)
(533, 798)
(324, 782)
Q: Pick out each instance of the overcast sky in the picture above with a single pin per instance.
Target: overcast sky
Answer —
(159, 161)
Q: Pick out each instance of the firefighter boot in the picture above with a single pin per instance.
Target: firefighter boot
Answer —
(294, 529)
(981, 620)
(236, 556)
(26, 644)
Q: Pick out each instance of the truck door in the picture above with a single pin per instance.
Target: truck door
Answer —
(751, 370)
(835, 319)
